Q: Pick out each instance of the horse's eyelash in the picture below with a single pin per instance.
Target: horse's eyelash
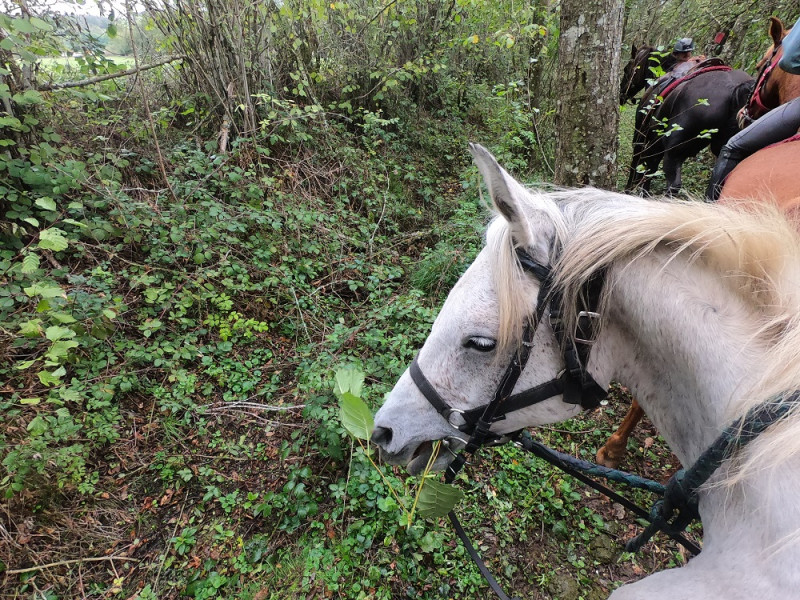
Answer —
(481, 343)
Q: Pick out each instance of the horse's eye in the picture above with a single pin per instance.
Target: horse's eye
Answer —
(481, 344)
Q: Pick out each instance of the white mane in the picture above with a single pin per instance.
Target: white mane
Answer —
(755, 251)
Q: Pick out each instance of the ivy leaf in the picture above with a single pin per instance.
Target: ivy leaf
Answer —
(437, 499)
(356, 416)
(53, 239)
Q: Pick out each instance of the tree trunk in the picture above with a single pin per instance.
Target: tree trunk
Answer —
(587, 81)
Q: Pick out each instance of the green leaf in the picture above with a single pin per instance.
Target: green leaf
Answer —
(356, 416)
(437, 499)
(46, 203)
(69, 395)
(30, 401)
(22, 26)
(59, 350)
(37, 426)
(111, 30)
(54, 378)
(55, 333)
(74, 222)
(30, 263)
(52, 239)
(41, 24)
(31, 329)
(349, 379)
(45, 290)
(62, 317)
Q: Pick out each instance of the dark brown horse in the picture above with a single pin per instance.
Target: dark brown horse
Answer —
(645, 66)
(699, 110)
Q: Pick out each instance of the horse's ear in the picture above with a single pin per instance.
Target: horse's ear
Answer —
(506, 193)
(634, 50)
(776, 30)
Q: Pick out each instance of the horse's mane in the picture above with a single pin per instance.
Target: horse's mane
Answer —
(755, 251)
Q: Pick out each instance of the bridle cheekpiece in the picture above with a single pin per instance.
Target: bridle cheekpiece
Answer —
(574, 382)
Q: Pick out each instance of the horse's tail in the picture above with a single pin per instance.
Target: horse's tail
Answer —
(741, 93)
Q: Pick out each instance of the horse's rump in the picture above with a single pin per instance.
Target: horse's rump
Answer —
(768, 176)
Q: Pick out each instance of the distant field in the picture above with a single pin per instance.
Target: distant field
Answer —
(64, 63)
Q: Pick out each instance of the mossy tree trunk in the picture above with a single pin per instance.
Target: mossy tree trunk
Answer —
(587, 81)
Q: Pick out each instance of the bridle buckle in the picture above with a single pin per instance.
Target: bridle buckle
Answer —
(586, 314)
(449, 412)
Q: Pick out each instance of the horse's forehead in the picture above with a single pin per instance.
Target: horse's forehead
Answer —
(473, 296)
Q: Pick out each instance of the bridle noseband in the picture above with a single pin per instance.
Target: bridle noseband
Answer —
(574, 383)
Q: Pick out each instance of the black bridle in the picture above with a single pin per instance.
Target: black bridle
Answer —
(574, 383)
(679, 505)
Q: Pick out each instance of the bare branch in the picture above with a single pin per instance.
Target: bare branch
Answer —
(74, 561)
(72, 84)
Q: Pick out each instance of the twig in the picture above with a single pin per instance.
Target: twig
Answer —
(300, 310)
(174, 531)
(71, 561)
(147, 109)
(72, 84)
(254, 405)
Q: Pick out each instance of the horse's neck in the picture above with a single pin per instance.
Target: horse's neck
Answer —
(674, 335)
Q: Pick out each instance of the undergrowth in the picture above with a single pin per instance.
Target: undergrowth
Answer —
(167, 350)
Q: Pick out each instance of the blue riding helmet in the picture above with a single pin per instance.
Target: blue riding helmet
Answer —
(684, 45)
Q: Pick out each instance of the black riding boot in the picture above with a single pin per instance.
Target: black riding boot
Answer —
(726, 162)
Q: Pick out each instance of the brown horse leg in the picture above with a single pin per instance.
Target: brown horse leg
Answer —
(614, 451)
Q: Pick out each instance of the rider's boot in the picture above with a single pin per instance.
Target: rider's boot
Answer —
(726, 161)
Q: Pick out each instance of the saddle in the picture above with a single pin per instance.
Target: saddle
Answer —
(679, 74)
(685, 71)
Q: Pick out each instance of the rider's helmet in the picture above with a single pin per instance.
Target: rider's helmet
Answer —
(684, 45)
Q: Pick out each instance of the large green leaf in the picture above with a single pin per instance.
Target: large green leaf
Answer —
(356, 416)
(348, 379)
(437, 499)
(52, 239)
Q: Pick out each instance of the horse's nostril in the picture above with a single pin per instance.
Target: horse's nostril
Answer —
(381, 436)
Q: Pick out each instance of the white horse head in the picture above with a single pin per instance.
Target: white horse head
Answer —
(700, 316)
(472, 340)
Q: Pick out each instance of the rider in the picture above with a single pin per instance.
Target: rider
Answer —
(682, 51)
(778, 124)
(679, 62)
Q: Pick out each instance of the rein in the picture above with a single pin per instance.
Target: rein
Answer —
(678, 506)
